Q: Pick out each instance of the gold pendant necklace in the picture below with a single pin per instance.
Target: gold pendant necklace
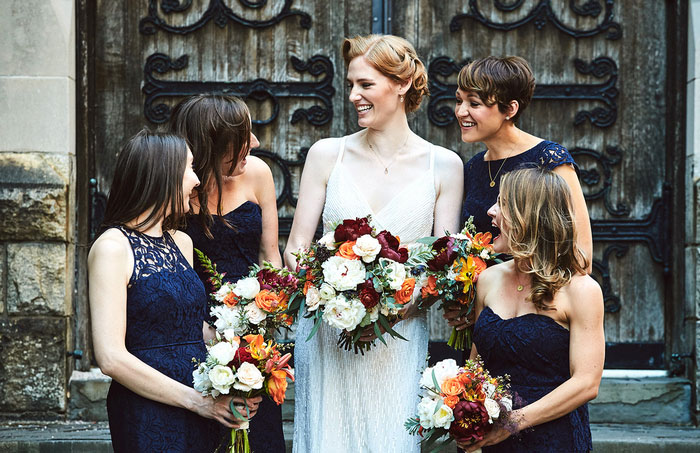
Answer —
(396, 155)
(493, 179)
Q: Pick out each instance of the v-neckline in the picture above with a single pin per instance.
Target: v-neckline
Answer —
(374, 213)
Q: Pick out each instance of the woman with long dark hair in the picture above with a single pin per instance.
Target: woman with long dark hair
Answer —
(147, 305)
(234, 210)
(540, 317)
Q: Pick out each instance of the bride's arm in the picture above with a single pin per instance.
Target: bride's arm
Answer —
(312, 196)
(449, 173)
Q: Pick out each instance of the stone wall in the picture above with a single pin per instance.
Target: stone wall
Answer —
(693, 186)
(37, 212)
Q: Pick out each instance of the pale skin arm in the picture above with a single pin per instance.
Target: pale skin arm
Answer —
(312, 196)
(109, 270)
(587, 356)
(267, 199)
(583, 222)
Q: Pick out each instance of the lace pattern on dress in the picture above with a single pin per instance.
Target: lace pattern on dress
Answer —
(153, 254)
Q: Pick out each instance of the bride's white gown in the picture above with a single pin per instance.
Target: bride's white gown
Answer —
(348, 403)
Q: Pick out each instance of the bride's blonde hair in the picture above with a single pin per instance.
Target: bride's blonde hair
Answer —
(541, 230)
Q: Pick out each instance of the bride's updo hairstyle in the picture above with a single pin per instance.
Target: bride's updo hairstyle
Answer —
(541, 230)
(499, 80)
(396, 59)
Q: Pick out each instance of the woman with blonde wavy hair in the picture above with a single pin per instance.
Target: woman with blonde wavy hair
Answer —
(354, 403)
(540, 317)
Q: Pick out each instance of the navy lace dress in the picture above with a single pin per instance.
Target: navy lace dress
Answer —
(534, 350)
(164, 313)
(479, 196)
(234, 250)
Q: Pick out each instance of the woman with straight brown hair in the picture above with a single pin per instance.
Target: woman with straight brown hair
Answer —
(347, 403)
(147, 305)
(234, 213)
(540, 318)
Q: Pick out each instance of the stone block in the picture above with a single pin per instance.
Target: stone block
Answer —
(88, 395)
(644, 400)
(33, 365)
(38, 38)
(37, 279)
(33, 196)
(3, 296)
(37, 114)
(288, 406)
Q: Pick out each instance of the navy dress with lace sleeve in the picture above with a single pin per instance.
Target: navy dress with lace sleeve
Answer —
(234, 249)
(533, 350)
(164, 312)
(479, 196)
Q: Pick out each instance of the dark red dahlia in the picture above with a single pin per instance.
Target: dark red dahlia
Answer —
(368, 296)
(350, 229)
(390, 247)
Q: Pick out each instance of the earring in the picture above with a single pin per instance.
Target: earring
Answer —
(401, 97)
(507, 117)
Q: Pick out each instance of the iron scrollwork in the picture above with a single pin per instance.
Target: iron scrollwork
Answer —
(216, 11)
(321, 90)
(543, 13)
(601, 270)
(605, 92)
(592, 177)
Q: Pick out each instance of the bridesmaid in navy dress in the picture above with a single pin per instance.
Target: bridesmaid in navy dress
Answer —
(492, 94)
(234, 214)
(147, 305)
(540, 318)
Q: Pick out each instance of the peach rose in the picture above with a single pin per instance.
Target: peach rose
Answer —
(231, 300)
(345, 250)
(452, 387)
(430, 288)
(404, 294)
(451, 401)
(266, 300)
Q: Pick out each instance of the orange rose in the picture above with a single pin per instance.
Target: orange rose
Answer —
(266, 300)
(430, 289)
(451, 401)
(345, 250)
(452, 387)
(404, 295)
(231, 300)
(465, 379)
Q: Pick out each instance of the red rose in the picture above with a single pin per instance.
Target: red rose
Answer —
(350, 229)
(470, 423)
(242, 355)
(390, 247)
(446, 254)
(368, 296)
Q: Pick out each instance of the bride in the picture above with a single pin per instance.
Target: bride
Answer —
(347, 402)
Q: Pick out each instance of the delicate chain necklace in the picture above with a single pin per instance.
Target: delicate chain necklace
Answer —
(493, 179)
(396, 155)
(520, 286)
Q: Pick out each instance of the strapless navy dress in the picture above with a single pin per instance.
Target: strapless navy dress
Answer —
(534, 350)
(234, 250)
(164, 313)
(479, 196)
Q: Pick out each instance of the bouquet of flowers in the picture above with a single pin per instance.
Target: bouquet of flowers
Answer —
(355, 278)
(450, 272)
(461, 403)
(256, 304)
(253, 368)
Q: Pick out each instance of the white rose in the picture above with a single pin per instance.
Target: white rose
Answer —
(223, 352)
(229, 334)
(507, 403)
(247, 288)
(221, 378)
(248, 378)
(367, 247)
(443, 417)
(313, 298)
(328, 240)
(445, 369)
(229, 318)
(396, 274)
(326, 291)
(222, 292)
(426, 409)
(342, 273)
(492, 408)
(484, 254)
(254, 314)
(344, 313)
(200, 379)
(374, 313)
